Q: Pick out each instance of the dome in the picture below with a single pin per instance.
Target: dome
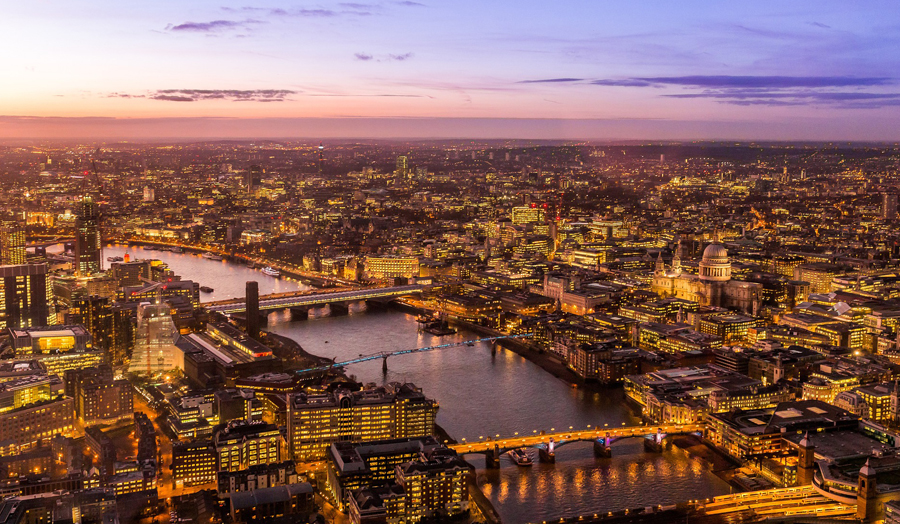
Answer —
(715, 251)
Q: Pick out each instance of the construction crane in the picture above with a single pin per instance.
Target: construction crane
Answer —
(385, 354)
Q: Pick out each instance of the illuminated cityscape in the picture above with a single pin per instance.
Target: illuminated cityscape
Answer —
(415, 263)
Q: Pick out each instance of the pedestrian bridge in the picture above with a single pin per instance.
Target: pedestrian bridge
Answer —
(307, 298)
(548, 442)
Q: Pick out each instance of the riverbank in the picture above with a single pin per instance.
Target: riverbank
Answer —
(543, 359)
(714, 460)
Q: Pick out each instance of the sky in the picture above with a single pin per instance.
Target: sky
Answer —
(585, 69)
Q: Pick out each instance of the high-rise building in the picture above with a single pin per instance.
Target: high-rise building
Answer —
(87, 239)
(889, 206)
(315, 422)
(321, 157)
(25, 296)
(154, 341)
(95, 313)
(12, 246)
(528, 215)
(402, 167)
(253, 178)
(252, 310)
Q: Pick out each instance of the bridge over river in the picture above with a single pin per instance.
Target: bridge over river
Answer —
(299, 299)
(548, 442)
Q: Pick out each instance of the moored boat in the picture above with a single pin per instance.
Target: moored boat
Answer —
(520, 457)
(272, 272)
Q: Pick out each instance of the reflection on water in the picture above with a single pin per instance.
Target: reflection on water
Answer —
(484, 391)
(227, 279)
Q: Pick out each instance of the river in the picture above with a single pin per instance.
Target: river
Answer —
(482, 393)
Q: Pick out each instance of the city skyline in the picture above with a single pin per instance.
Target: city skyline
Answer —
(407, 69)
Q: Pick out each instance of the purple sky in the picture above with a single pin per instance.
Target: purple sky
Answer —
(592, 69)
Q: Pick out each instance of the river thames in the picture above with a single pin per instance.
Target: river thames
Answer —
(482, 393)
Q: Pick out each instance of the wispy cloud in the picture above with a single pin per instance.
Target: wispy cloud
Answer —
(410, 3)
(552, 81)
(346, 8)
(847, 92)
(367, 57)
(213, 26)
(196, 95)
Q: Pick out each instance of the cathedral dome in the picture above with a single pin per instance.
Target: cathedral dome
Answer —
(715, 265)
(715, 253)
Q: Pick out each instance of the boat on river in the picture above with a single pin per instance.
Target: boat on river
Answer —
(211, 256)
(272, 272)
(206, 289)
(520, 457)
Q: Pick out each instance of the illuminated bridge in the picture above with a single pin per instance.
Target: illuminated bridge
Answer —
(301, 299)
(548, 442)
(385, 354)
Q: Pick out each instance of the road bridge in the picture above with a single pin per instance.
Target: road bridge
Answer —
(315, 298)
(548, 442)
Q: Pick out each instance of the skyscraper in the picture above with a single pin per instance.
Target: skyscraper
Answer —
(402, 167)
(25, 296)
(154, 341)
(321, 157)
(252, 311)
(253, 178)
(889, 206)
(12, 245)
(87, 239)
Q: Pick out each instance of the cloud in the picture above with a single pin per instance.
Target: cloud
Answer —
(820, 24)
(215, 25)
(551, 81)
(725, 81)
(348, 8)
(196, 95)
(410, 3)
(846, 92)
(366, 57)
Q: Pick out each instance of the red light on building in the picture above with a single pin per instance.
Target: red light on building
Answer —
(533, 206)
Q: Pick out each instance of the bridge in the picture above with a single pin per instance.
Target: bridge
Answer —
(547, 443)
(385, 354)
(300, 299)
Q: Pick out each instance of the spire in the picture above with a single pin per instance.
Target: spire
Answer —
(660, 265)
(867, 470)
(804, 442)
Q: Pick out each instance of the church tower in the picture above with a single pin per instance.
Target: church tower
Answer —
(806, 464)
(866, 498)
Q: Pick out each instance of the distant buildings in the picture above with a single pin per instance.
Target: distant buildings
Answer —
(12, 245)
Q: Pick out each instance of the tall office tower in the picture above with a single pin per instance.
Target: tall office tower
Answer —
(12, 246)
(253, 178)
(321, 157)
(25, 296)
(95, 313)
(402, 167)
(87, 239)
(154, 341)
(889, 206)
(149, 194)
(252, 311)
